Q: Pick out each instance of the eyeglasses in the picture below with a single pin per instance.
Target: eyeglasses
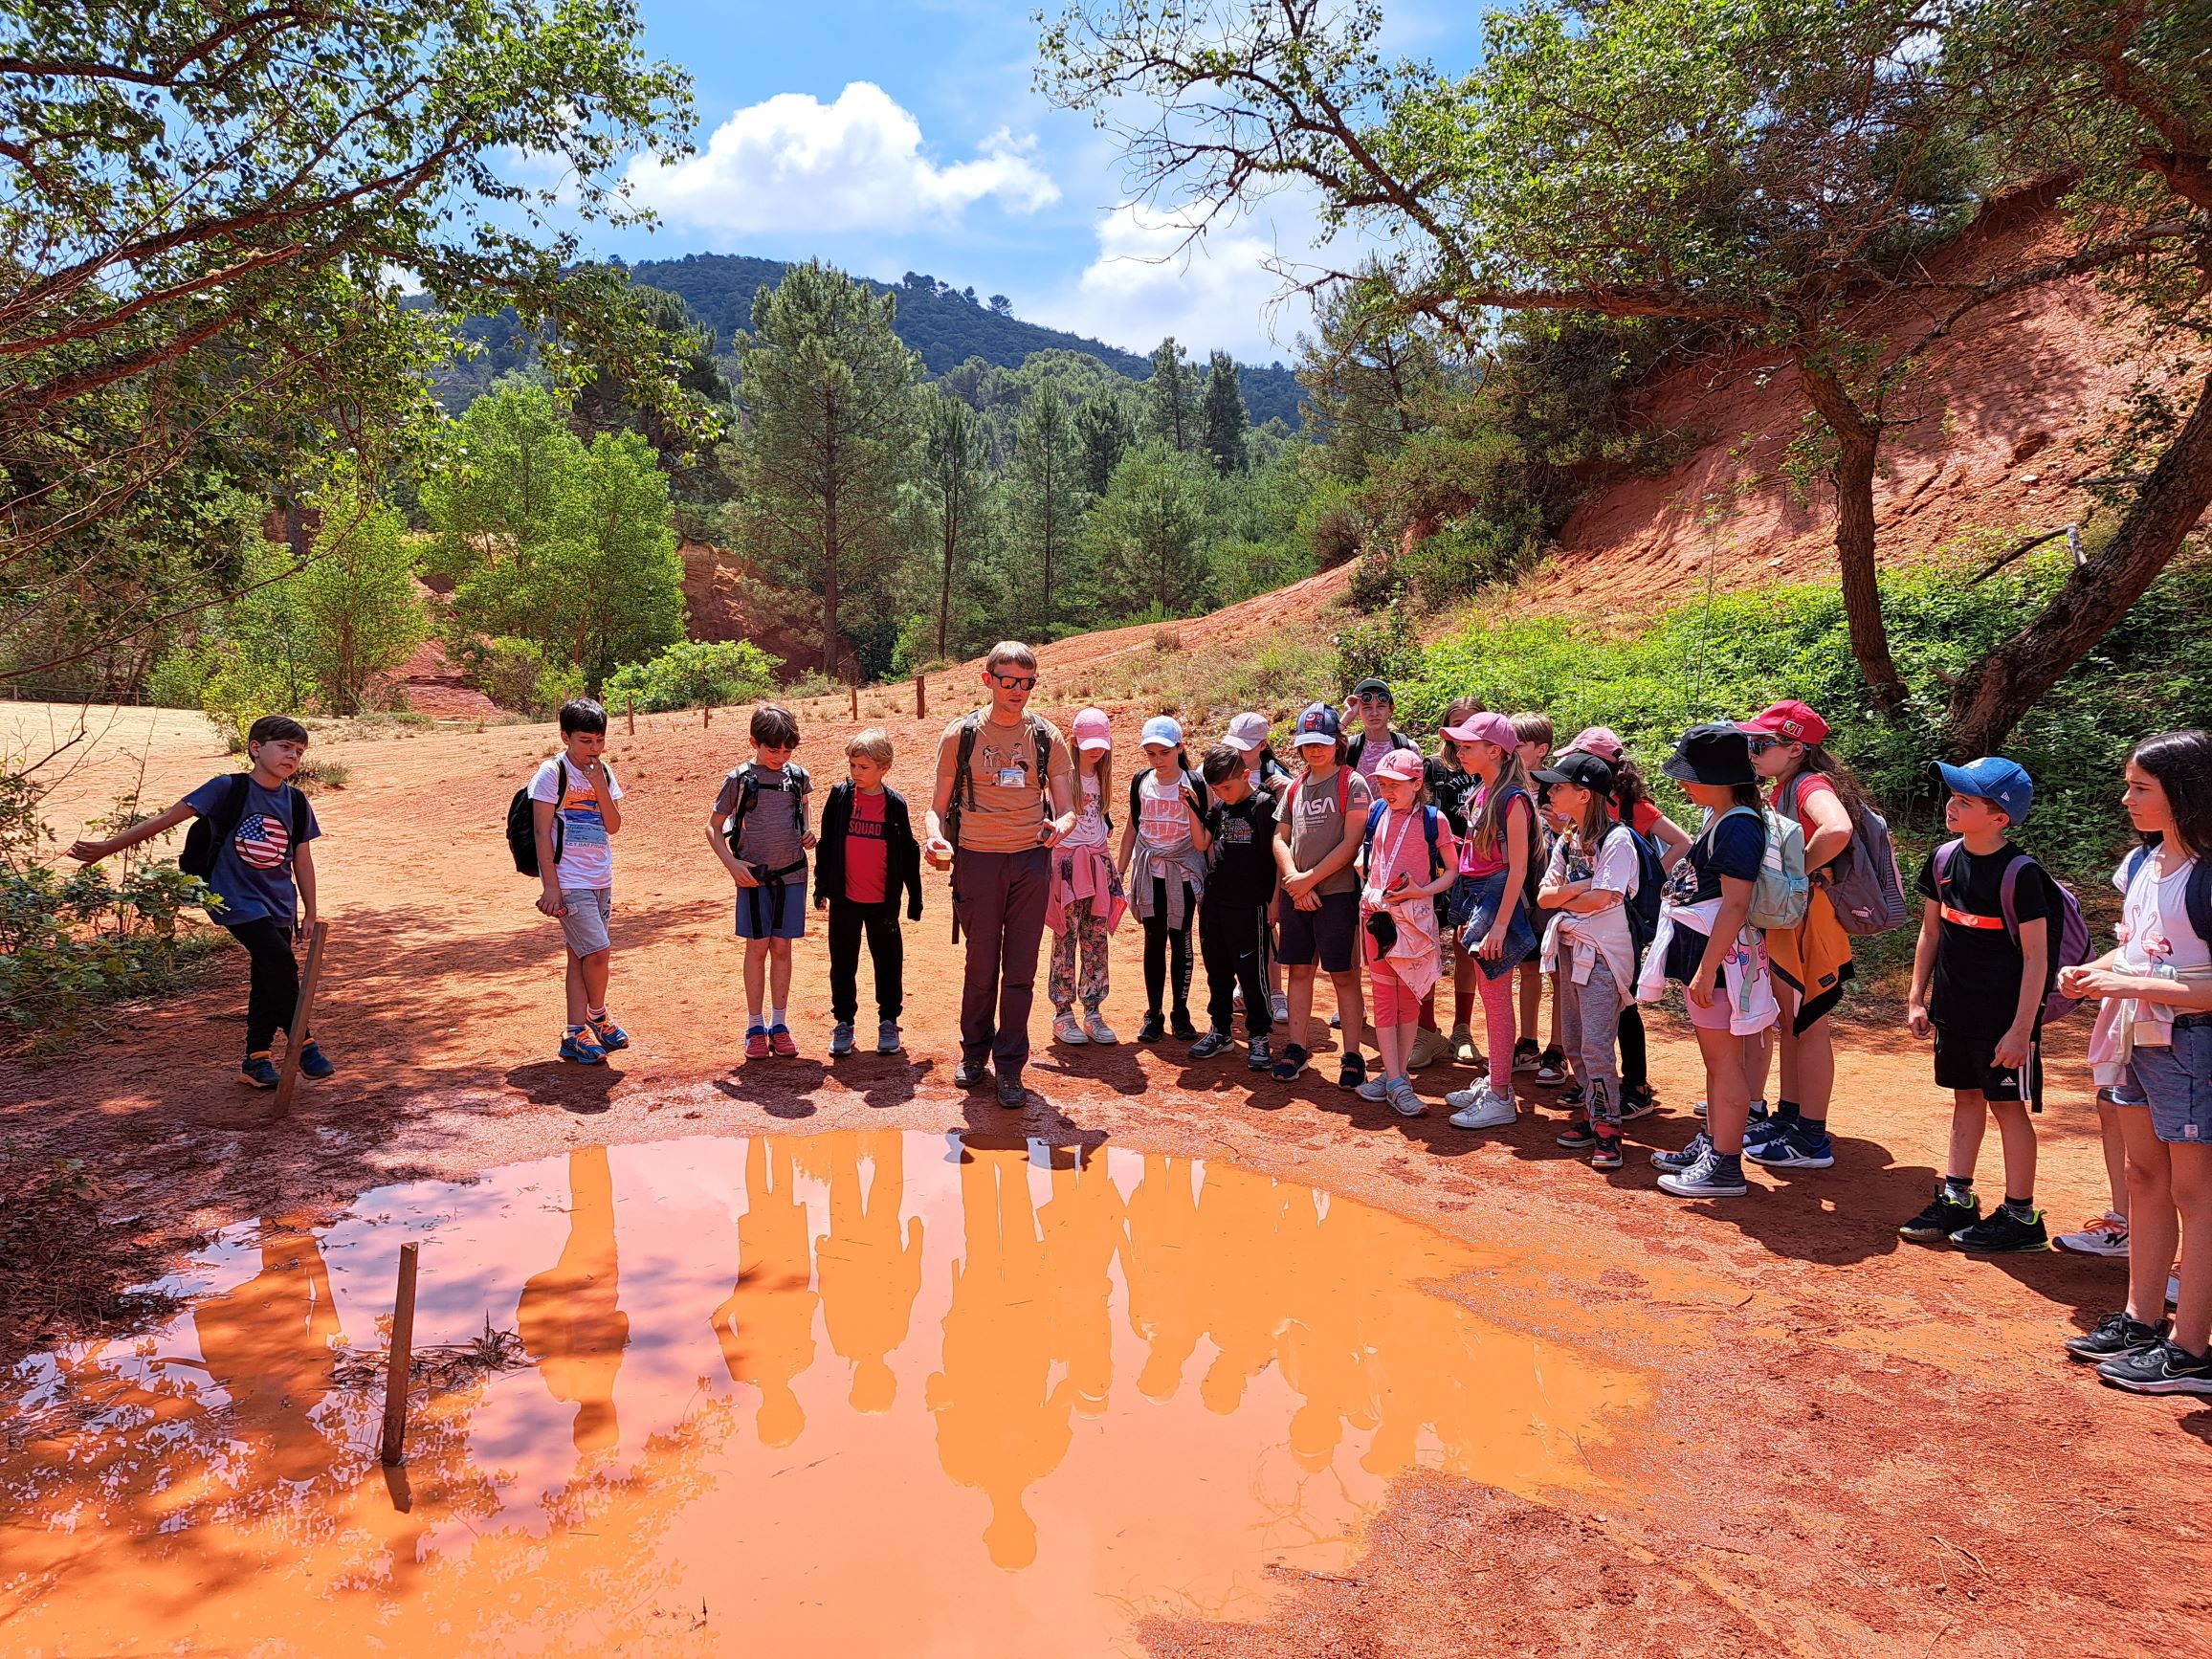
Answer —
(1015, 682)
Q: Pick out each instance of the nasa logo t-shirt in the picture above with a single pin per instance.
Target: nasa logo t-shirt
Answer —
(253, 871)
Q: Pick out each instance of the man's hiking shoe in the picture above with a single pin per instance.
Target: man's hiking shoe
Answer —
(2106, 1235)
(757, 1043)
(1552, 1065)
(1153, 1030)
(2001, 1232)
(579, 1045)
(2160, 1367)
(1637, 1100)
(1258, 1059)
(1526, 1055)
(1213, 1043)
(1292, 1062)
(1796, 1145)
(610, 1035)
(1353, 1072)
(1605, 1152)
(780, 1040)
(1715, 1175)
(1464, 1053)
(1011, 1094)
(1067, 1028)
(1403, 1100)
(841, 1039)
(1674, 1162)
(1181, 1028)
(2116, 1335)
(970, 1074)
(260, 1071)
(1096, 1027)
(1428, 1047)
(1944, 1216)
(314, 1063)
(1578, 1135)
(887, 1037)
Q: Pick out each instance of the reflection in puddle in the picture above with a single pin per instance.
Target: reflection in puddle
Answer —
(849, 1393)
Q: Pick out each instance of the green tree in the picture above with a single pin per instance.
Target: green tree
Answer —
(1372, 378)
(1171, 398)
(492, 488)
(830, 393)
(1104, 431)
(1222, 420)
(953, 486)
(1149, 532)
(613, 579)
(1044, 485)
(357, 594)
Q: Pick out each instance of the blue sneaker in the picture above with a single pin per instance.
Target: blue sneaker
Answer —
(579, 1045)
(259, 1072)
(1796, 1145)
(314, 1063)
(610, 1035)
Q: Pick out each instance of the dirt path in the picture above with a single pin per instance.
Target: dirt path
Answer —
(1855, 1446)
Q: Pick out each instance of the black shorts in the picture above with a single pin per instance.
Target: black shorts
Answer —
(1329, 932)
(1968, 1060)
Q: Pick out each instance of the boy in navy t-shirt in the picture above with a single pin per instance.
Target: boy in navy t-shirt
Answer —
(263, 876)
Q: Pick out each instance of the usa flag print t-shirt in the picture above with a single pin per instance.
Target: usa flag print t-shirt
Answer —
(252, 873)
(586, 857)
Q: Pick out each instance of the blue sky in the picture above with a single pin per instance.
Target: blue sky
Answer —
(895, 137)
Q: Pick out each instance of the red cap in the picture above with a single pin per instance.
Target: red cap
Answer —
(1792, 721)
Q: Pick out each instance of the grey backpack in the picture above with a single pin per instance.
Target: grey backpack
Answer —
(1863, 881)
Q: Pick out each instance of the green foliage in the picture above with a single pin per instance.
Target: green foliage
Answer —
(517, 674)
(1105, 431)
(357, 598)
(696, 674)
(1221, 421)
(1045, 500)
(1148, 534)
(951, 484)
(1383, 643)
(1171, 399)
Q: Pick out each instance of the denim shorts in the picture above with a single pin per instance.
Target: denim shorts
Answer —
(1481, 897)
(2178, 1082)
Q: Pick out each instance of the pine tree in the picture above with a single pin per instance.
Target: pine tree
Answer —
(1171, 398)
(1103, 433)
(1151, 528)
(1046, 485)
(1222, 419)
(952, 483)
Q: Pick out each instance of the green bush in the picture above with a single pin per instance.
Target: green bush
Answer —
(514, 673)
(240, 688)
(695, 674)
(179, 680)
(1384, 644)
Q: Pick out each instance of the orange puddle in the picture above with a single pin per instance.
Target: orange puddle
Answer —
(850, 1393)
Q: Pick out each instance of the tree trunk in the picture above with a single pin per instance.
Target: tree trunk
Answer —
(2006, 683)
(944, 587)
(829, 583)
(1858, 440)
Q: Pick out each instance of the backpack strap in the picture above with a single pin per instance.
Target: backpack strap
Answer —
(1344, 789)
(231, 807)
(1428, 816)
(2198, 898)
(1041, 735)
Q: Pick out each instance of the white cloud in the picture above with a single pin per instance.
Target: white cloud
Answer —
(794, 164)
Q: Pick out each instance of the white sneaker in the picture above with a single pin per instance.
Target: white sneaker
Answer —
(1375, 1089)
(1067, 1028)
(2107, 1236)
(1097, 1030)
(1480, 1107)
(1279, 1005)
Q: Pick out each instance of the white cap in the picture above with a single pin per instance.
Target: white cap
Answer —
(1161, 729)
(1248, 732)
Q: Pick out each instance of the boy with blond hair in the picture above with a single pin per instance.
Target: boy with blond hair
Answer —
(869, 858)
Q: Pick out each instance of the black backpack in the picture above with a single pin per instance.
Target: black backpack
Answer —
(793, 780)
(207, 835)
(1643, 906)
(522, 822)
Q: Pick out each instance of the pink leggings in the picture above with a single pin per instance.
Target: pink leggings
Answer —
(1497, 1017)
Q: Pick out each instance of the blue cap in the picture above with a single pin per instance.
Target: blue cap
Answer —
(2004, 782)
(1161, 729)
(1317, 724)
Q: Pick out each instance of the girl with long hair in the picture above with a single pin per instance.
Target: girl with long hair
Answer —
(1490, 906)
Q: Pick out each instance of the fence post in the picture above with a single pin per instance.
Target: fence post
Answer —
(633, 714)
(921, 697)
(396, 1371)
(854, 688)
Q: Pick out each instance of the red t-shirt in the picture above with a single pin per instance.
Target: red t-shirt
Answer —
(867, 855)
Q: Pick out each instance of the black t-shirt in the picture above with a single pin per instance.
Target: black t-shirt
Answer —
(1244, 852)
(1734, 844)
(1975, 989)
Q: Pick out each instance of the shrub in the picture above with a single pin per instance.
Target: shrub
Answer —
(179, 680)
(1384, 644)
(514, 673)
(695, 673)
(240, 689)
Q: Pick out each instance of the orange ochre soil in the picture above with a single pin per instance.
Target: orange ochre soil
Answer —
(1805, 1437)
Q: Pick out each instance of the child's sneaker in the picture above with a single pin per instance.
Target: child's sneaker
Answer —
(1675, 1163)
(1481, 1107)
(2107, 1236)
(1715, 1175)
(780, 1040)
(1550, 1065)
(757, 1043)
(1403, 1100)
(2160, 1367)
(2116, 1335)
(1292, 1062)
(1796, 1145)
(1375, 1089)
(314, 1063)
(2002, 1232)
(1605, 1152)
(1578, 1135)
(1571, 1096)
(258, 1071)
(1944, 1216)
(1181, 1028)
(1210, 1044)
(1279, 1006)
(841, 1039)
(1638, 1100)
(579, 1045)
(1353, 1072)
(1153, 1030)
(1428, 1047)
(1096, 1027)
(1526, 1055)
(1258, 1060)
(610, 1035)
(1067, 1028)
(887, 1037)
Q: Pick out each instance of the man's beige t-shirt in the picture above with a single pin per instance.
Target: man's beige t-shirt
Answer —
(1008, 807)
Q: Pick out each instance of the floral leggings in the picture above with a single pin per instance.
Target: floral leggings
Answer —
(1085, 934)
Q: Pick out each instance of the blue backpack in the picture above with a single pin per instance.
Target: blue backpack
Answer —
(1429, 815)
(1643, 906)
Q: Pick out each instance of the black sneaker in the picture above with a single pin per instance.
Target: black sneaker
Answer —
(1211, 1044)
(1577, 1135)
(1605, 1152)
(1011, 1094)
(1292, 1064)
(970, 1074)
(1674, 1162)
(2160, 1367)
(1257, 1060)
(1153, 1030)
(1637, 1100)
(1570, 1096)
(1181, 1028)
(2001, 1232)
(2116, 1335)
(1944, 1216)
(1550, 1065)
(1353, 1073)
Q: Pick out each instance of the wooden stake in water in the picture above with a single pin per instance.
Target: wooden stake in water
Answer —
(395, 1377)
(295, 1034)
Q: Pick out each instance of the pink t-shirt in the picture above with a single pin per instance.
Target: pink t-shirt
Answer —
(1472, 862)
(1392, 853)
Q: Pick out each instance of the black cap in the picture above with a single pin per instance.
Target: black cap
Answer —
(1583, 771)
(1716, 755)
(1373, 687)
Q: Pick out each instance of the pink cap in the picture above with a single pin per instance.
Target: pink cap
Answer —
(1489, 727)
(1403, 764)
(1094, 730)
(1602, 742)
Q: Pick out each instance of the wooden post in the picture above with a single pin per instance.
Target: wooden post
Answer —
(395, 1376)
(295, 1034)
(921, 697)
(855, 690)
(633, 714)
(707, 717)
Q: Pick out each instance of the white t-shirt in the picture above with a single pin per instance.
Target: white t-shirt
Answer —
(2154, 930)
(1090, 815)
(586, 858)
(1606, 932)
(1163, 822)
